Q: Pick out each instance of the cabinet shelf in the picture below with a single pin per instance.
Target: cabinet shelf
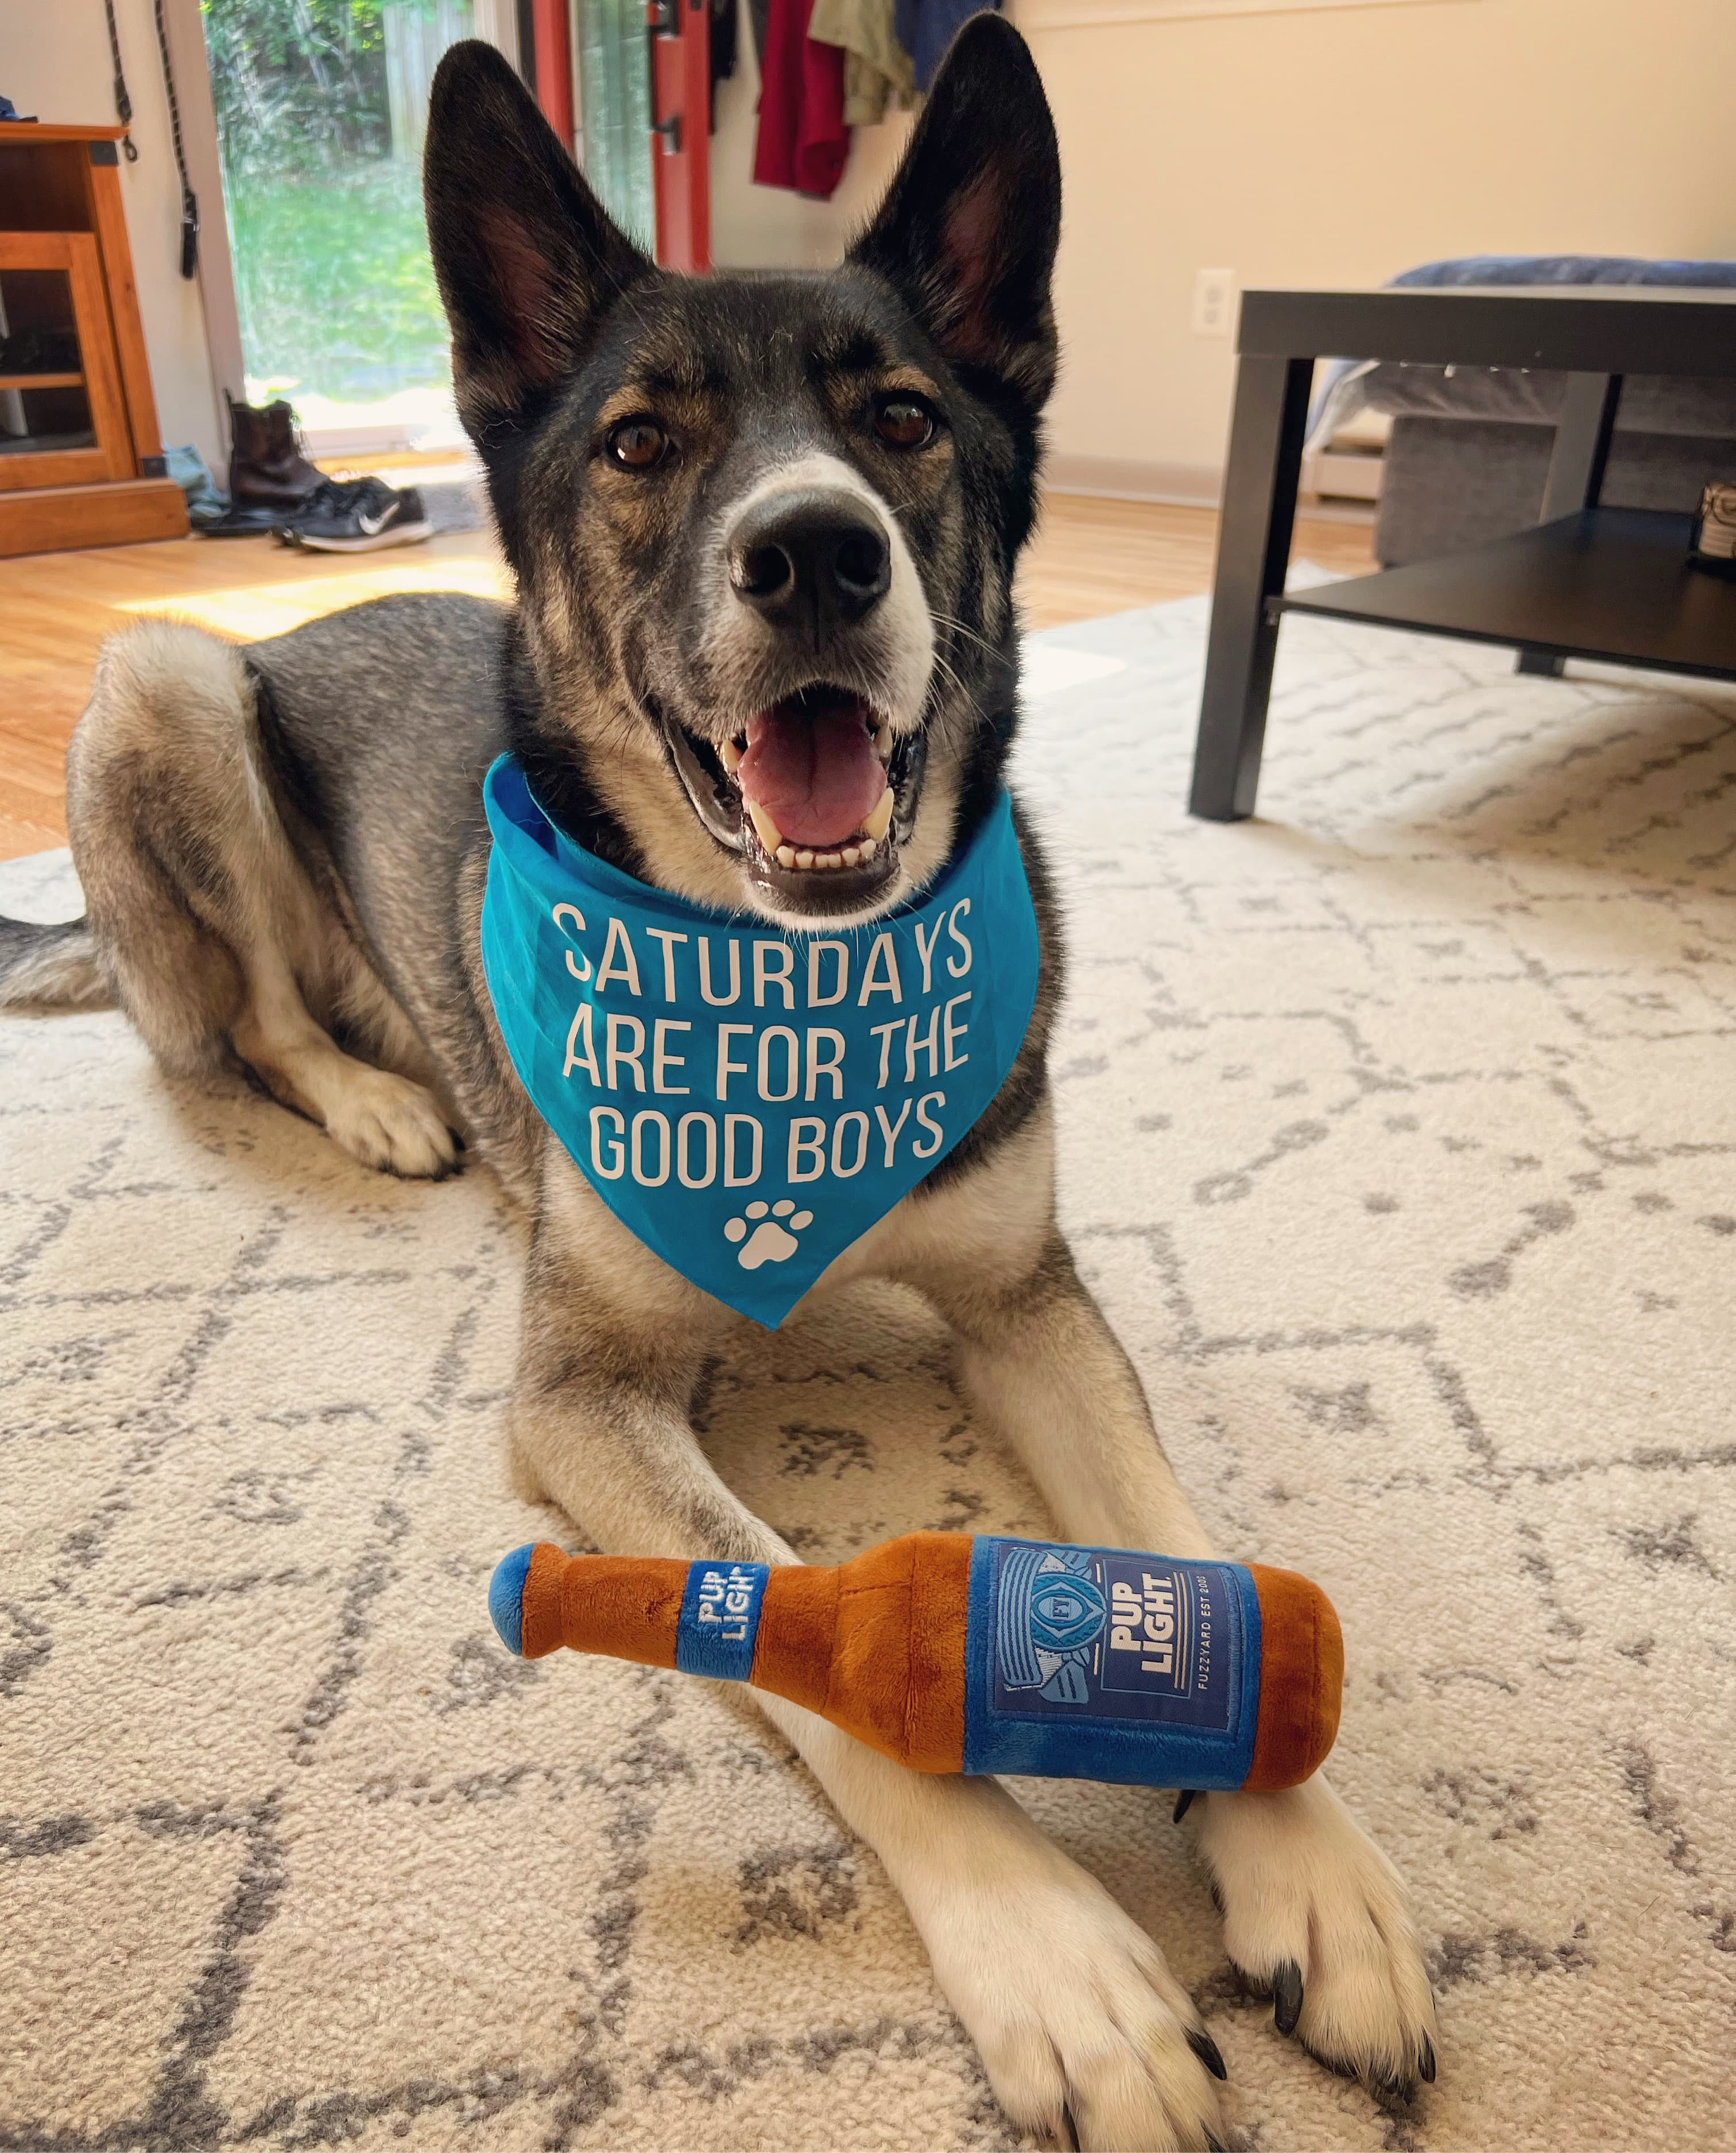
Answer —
(42, 381)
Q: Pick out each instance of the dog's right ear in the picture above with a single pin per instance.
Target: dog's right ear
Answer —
(526, 257)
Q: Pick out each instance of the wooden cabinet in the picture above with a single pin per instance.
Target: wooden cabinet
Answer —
(81, 461)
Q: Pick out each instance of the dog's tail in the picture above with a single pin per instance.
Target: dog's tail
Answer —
(51, 967)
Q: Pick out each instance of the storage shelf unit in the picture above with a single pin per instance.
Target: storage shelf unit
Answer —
(81, 461)
(1611, 584)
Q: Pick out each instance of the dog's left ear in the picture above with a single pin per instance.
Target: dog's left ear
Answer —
(968, 230)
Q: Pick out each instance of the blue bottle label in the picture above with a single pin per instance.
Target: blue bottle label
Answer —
(1109, 1663)
(719, 1619)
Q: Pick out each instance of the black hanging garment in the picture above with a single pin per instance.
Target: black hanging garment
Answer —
(723, 49)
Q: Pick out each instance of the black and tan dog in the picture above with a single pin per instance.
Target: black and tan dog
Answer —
(765, 655)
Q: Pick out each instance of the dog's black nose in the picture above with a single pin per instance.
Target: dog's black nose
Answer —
(811, 561)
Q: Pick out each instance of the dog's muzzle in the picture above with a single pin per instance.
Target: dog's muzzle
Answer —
(816, 793)
(817, 789)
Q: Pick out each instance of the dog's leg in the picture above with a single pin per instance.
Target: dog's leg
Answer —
(1070, 2006)
(1312, 1910)
(384, 1120)
(203, 915)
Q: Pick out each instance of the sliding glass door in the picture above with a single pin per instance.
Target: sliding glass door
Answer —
(614, 77)
(321, 112)
(322, 108)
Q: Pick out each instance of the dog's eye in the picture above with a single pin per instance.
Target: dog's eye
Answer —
(904, 421)
(637, 445)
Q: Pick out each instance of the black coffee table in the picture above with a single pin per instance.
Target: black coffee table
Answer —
(1587, 582)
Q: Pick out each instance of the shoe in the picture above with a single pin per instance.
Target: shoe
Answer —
(266, 468)
(237, 523)
(357, 516)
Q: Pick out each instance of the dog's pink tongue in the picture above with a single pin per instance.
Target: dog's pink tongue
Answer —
(816, 777)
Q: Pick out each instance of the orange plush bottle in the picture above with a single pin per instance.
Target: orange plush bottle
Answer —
(954, 1654)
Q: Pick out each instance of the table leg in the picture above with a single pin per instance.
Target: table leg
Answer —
(1582, 445)
(1577, 466)
(1259, 506)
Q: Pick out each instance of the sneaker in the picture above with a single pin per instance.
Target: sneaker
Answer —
(357, 516)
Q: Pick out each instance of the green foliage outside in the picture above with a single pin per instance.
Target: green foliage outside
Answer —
(332, 280)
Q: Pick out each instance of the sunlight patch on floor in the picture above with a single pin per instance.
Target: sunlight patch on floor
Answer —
(261, 609)
(1045, 668)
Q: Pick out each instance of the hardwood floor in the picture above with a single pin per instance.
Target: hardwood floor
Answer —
(56, 609)
(1089, 558)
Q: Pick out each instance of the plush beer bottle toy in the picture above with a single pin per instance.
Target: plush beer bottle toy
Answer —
(954, 1654)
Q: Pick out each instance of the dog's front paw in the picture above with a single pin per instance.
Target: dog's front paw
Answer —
(1084, 2032)
(1315, 1914)
(391, 1124)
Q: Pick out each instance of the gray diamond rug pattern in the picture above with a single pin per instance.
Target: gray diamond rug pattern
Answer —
(1398, 1138)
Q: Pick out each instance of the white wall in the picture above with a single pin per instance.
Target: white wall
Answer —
(769, 228)
(54, 61)
(1337, 147)
(1330, 144)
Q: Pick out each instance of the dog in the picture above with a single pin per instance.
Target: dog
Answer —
(731, 504)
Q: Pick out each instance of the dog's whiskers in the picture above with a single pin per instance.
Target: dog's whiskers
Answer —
(969, 634)
(943, 666)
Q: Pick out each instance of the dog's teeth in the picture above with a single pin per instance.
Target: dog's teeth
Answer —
(882, 743)
(730, 756)
(851, 855)
(875, 826)
(828, 859)
(771, 837)
(867, 849)
(804, 859)
(786, 856)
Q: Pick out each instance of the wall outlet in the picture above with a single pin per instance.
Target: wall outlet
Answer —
(1214, 301)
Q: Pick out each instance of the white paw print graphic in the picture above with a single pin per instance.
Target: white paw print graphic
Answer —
(770, 1242)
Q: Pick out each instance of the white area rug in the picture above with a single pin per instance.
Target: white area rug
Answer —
(1400, 1141)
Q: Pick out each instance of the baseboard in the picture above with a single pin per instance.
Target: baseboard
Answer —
(1126, 478)
(57, 519)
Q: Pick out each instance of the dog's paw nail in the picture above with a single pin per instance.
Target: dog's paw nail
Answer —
(1427, 2065)
(1287, 1996)
(1182, 1800)
(1206, 2048)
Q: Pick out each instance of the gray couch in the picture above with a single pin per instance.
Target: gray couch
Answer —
(1471, 446)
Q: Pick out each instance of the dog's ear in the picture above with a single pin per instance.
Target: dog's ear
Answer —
(968, 230)
(527, 257)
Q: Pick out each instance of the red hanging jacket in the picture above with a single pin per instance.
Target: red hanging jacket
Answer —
(803, 138)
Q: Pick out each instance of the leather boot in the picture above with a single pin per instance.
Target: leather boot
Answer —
(266, 468)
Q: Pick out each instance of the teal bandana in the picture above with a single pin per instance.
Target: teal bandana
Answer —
(750, 1100)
